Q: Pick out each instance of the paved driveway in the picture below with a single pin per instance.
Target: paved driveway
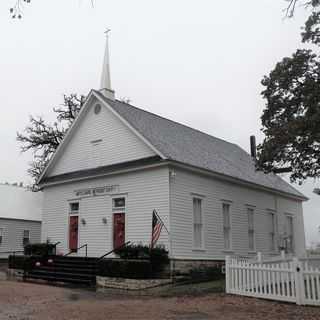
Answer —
(26, 301)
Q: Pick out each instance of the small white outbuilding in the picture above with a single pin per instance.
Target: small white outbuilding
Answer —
(20, 218)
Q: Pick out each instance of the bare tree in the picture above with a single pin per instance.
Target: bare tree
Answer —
(292, 5)
(42, 138)
(17, 10)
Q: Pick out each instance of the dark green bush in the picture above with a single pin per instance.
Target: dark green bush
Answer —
(119, 268)
(157, 256)
(39, 249)
(22, 262)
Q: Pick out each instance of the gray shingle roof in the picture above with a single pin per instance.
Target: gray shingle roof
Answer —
(186, 145)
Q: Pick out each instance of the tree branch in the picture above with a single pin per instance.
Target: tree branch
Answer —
(43, 138)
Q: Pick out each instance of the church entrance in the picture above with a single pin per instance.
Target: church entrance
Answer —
(73, 233)
(118, 229)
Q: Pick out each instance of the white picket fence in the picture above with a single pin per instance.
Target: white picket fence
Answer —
(293, 281)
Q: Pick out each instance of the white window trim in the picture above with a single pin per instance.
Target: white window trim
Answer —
(276, 229)
(227, 202)
(23, 237)
(74, 213)
(202, 247)
(119, 210)
(292, 216)
(254, 229)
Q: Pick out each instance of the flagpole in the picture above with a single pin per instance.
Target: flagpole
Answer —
(156, 213)
(172, 263)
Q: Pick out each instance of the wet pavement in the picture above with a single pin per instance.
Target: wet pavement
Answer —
(28, 301)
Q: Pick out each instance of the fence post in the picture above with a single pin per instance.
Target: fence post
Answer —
(227, 270)
(259, 256)
(298, 281)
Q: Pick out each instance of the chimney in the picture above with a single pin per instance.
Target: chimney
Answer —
(253, 147)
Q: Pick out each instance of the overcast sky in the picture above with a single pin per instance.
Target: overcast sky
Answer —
(196, 62)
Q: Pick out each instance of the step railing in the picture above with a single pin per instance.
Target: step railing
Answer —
(76, 250)
(115, 249)
(55, 247)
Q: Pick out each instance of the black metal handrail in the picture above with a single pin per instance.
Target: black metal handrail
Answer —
(72, 251)
(124, 245)
(55, 247)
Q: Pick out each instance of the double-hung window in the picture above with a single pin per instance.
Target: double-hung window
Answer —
(26, 237)
(250, 212)
(226, 226)
(197, 223)
(289, 233)
(272, 231)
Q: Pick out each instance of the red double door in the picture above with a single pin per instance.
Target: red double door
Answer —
(73, 233)
(118, 229)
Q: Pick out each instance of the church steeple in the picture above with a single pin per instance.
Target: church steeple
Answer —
(105, 85)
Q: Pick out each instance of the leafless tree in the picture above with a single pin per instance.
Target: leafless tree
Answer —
(292, 5)
(17, 10)
(42, 138)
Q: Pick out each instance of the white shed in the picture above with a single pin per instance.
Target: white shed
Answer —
(20, 218)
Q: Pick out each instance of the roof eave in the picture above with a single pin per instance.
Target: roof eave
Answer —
(237, 180)
(20, 219)
(140, 164)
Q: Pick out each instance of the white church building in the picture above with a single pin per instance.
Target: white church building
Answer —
(117, 163)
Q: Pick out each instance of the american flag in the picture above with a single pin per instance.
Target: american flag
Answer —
(157, 225)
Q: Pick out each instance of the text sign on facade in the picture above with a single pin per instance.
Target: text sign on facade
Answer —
(97, 191)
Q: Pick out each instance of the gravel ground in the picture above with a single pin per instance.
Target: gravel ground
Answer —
(26, 301)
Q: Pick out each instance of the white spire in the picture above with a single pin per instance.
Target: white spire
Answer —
(105, 85)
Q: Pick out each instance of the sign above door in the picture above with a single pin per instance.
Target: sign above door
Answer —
(96, 191)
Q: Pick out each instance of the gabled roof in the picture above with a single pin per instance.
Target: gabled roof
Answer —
(20, 203)
(185, 145)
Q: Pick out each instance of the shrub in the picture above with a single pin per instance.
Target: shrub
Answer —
(22, 262)
(39, 249)
(157, 256)
(159, 259)
(119, 268)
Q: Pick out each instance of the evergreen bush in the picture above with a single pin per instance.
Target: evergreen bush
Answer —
(158, 256)
(130, 269)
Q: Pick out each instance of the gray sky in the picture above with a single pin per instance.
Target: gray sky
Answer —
(196, 62)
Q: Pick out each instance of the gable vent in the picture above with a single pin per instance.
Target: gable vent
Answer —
(97, 108)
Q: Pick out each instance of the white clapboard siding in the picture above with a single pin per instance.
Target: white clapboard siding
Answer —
(185, 185)
(144, 190)
(118, 143)
(12, 239)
